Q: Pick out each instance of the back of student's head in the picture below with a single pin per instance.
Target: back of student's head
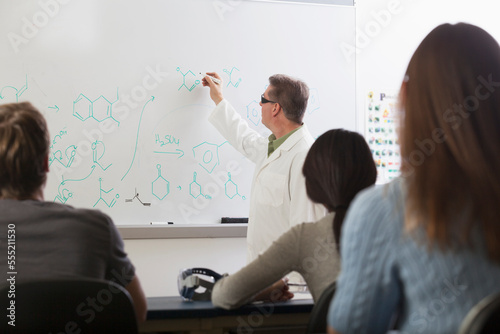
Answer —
(24, 146)
(338, 165)
(450, 135)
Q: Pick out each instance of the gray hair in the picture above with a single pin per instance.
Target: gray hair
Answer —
(292, 94)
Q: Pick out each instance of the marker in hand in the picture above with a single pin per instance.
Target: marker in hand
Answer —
(214, 79)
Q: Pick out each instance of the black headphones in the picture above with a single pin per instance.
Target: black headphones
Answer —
(188, 282)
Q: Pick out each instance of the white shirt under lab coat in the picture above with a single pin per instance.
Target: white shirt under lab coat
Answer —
(278, 197)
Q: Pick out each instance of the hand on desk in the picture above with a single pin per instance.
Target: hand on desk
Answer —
(278, 292)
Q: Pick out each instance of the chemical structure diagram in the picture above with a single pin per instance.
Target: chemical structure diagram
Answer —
(63, 195)
(69, 156)
(231, 188)
(195, 189)
(65, 160)
(101, 191)
(232, 81)
(313, 103)
(61, 133)
(207, 155)
(96, 146)
(160, 186)
(189, 77)
(254, 113)
(99, 109)
(137, 196)
(17, 92)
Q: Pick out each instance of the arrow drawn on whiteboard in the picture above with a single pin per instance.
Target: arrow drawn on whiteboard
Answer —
(181, 152)
(55, 107)
(137, 137)
(64, 195)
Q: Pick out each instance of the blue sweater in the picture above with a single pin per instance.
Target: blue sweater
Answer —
(385, 269)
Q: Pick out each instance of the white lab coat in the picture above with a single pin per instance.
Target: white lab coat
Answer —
(278, 198)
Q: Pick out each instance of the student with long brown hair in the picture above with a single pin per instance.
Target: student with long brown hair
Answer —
(338, 166)
(427, 246)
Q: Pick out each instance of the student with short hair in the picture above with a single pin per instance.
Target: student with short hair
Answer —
(52, 240)
(338, 165)
(427, 246)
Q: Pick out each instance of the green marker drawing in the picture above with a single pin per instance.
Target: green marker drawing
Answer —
(18, 92)
(64, 195)
(99, 109)
(137, 136)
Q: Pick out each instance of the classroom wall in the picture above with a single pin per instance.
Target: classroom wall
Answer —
(385, 45)
(389, 31)
(158, 261)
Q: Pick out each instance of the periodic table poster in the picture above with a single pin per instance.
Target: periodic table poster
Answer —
(381, 133)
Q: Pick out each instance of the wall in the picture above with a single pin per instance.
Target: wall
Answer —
(158, 261)
(389, 31)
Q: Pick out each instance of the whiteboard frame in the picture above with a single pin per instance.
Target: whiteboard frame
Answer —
(315, 2)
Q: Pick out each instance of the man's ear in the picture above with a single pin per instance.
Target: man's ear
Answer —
(276, 110)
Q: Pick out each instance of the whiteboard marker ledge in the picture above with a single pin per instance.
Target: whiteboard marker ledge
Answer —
(182, 231)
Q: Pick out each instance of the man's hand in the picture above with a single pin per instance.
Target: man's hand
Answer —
(215, 89)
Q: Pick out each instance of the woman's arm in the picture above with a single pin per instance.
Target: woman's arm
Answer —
(242, 287)
(278, 292)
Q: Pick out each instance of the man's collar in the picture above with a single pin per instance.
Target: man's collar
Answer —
(275, 143)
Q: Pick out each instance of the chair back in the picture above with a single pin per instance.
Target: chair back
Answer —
(484, 318)
(317, 320)
(84, 306)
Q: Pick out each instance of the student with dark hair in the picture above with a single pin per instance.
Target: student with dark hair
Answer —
(336, 169)
(427, 245)
(338, 165)
(52, 240)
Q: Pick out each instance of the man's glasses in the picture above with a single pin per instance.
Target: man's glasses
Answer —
(264, 100)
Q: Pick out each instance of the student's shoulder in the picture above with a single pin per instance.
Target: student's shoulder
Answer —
(324, 223)
(378, 207)
(381, 196)
(96, 215)
(82, 214)
(322, 227)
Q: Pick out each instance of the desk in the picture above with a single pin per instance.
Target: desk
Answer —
(173, 315)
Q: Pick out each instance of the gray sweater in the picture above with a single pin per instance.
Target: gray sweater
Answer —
(308, 248)
(56, 240)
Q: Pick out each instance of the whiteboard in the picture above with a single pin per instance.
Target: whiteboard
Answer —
(118, 83)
